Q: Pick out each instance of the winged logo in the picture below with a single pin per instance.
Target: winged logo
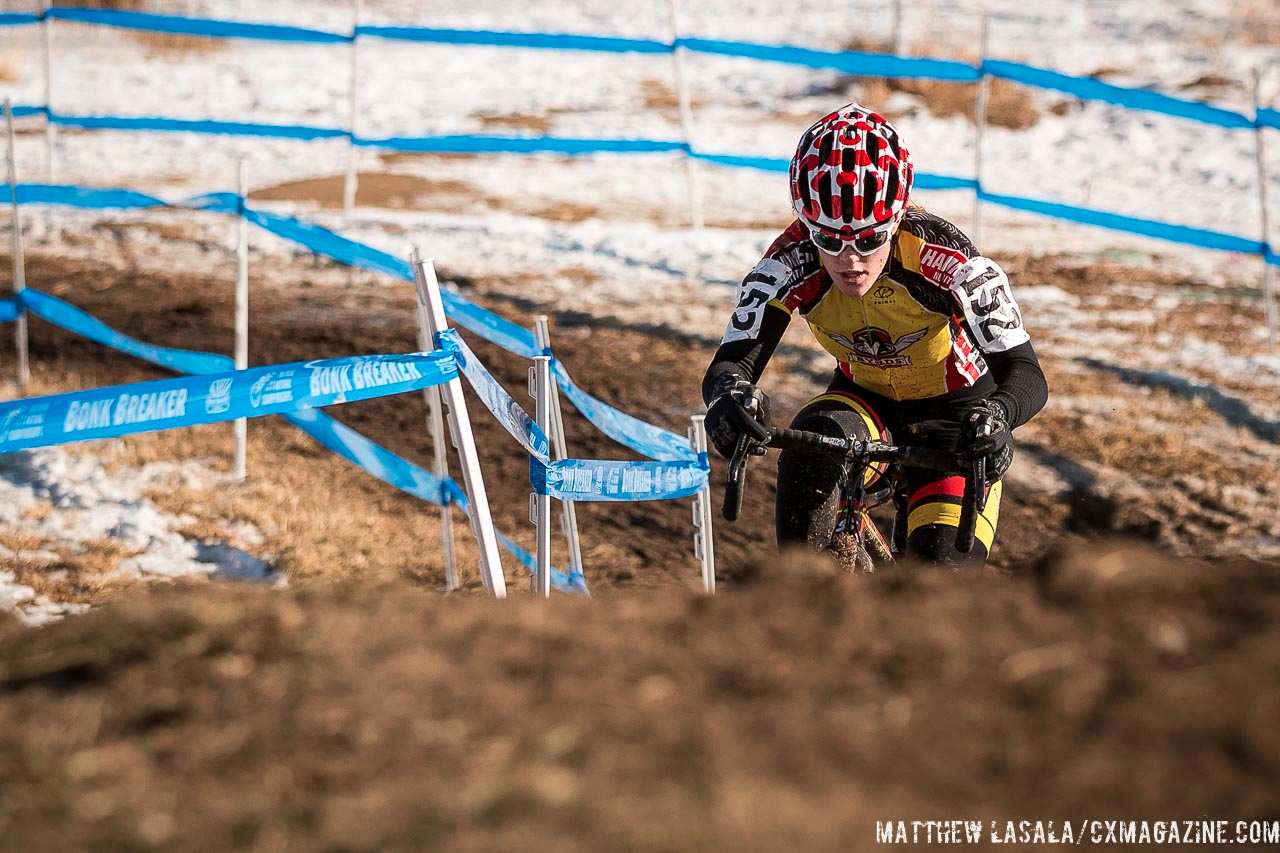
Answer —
(872, 345)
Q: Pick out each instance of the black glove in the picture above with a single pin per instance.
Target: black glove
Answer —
(987, 434)
(736, 407)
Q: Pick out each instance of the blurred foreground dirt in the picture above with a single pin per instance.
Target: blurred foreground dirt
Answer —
(791, 711)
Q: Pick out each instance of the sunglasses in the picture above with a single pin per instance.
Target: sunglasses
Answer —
(864, 245)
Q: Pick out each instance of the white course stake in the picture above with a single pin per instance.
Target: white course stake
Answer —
(704, 543)
(1268, 287)
(240, 471)
(435, 423)
(50, 130)
(980, 129)
(429, 299)
(19, 263)
(569, 513)
(686, 120)
(349, 186)
(540, 390)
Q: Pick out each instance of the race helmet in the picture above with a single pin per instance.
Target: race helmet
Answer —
(850, 179)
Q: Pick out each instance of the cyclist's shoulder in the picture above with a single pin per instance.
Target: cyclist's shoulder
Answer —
(926, 227)
(932, 248)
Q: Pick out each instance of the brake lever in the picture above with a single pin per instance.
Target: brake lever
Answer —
(735, 475)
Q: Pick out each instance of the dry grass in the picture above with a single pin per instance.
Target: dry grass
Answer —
(159, 44)
(118, 5)
(538, 124)
(9, 70)
(1255, 22)
(154, 43)
(1008, 104)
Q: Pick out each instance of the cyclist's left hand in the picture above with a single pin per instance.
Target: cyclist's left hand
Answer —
(987, 434)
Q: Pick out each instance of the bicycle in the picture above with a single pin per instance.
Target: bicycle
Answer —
(856, 541)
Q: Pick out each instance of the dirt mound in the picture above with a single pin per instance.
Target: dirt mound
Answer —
(794, 710)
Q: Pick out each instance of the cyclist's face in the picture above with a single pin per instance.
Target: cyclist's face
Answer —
(854, 274)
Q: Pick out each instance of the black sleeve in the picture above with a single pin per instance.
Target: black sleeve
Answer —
(1022, 388)
(747, 358)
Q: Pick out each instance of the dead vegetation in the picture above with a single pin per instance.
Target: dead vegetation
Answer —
(1009, 104)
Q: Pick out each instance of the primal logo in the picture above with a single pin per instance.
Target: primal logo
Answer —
(939, 263)
(219, 398)
(876, 347)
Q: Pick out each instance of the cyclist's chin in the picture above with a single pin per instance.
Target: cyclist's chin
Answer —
(855, 286)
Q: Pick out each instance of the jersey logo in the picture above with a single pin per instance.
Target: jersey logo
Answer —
(876, 347)
(939, 263)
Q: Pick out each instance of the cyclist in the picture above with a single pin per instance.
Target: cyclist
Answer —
(930, 344)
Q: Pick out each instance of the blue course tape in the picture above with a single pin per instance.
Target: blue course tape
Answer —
(21, 111)
(69, 317)
(196, 26)
(82, 197)
(1116, 222)
(851, 62)
(1096, 90)
(14, 19)
(413, 479)
(9, 310)
(609, 480)
(642, 437)
(521, 145)
(233, 128)
(375, 459)
(500, 404)
(1268, 118)
(559, 41)
(211, 398)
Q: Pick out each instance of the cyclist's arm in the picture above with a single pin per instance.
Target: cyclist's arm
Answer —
(746, 357)
(994, 321)
(1022, 388)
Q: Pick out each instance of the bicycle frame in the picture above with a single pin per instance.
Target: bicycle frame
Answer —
(856, 453)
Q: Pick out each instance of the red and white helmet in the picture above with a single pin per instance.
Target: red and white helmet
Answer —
(851, 174)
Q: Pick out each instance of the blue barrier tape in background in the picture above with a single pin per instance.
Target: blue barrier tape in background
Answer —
(1268, 118)
(1115, 222)
(231, 128)
(849, 61)
(1096, 90)
(24, 111)
(211, 398)
(466, 144)
(559, 41)
(9, 310)
(852, 62)
(650, 440)
(196, 26)
(69, 317)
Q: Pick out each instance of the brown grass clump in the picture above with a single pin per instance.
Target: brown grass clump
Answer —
(118, 5)
(1008, 104)
(1254, 22)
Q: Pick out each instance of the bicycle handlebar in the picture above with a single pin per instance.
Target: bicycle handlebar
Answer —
(857, 450)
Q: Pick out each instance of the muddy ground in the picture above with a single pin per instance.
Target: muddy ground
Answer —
(1120, 659)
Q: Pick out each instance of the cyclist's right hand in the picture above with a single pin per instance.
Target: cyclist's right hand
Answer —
(737, 408)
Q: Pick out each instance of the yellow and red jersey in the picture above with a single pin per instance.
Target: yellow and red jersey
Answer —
(922, 329)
